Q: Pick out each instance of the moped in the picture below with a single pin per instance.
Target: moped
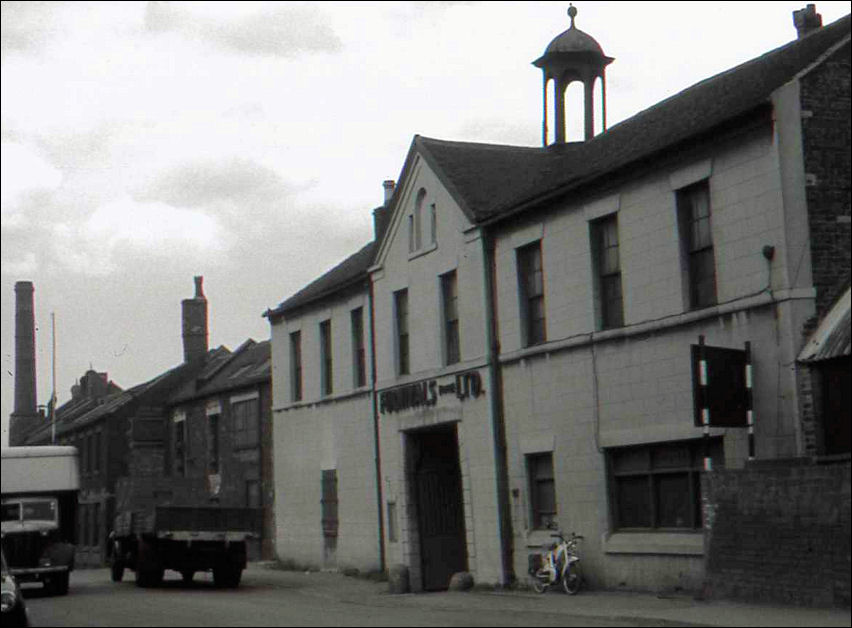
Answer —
(559, 563)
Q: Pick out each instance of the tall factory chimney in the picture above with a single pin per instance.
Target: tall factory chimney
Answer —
(25, 415)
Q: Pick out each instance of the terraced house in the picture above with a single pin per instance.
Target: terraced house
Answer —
(521, 345)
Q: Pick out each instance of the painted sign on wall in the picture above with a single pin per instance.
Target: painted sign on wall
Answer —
(466, 385)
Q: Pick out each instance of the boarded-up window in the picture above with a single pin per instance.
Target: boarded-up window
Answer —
(329, 503)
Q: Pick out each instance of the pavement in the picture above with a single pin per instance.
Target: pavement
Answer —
(616, 606)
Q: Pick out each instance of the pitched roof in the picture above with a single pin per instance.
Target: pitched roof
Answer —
(490, 181)
(114, 403)
(348, 272)
(247, 365)
(833, 337)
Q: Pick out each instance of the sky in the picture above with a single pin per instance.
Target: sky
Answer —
(146, 143)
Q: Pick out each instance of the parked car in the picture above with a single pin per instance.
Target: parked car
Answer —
(14, 608)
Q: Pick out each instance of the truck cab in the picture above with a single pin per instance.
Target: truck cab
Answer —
(40, 486)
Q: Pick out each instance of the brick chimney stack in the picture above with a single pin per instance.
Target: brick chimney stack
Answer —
(380, 214)
(25, 415)
(194, 319)
(807, 20)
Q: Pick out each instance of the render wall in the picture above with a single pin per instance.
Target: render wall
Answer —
(320, 433)
(457, 247)
(586, 390)
(311, 439)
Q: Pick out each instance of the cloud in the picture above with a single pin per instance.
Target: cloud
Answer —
(129, 236)
(206, 182)
(25, 26)
(279, 30)
(24, 171)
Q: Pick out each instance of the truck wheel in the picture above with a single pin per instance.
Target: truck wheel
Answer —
(227, 576)
(149, 569)
(116, 565)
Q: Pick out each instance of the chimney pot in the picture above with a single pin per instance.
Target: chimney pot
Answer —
(806, 20)
(389, 186)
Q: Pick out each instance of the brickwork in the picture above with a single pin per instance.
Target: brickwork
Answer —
(826, 135)
(779, 534)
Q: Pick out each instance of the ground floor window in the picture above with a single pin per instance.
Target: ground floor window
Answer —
(542, 489)
(658, 486)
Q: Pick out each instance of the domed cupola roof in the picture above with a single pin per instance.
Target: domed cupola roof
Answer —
(573, 43)
(574, 40)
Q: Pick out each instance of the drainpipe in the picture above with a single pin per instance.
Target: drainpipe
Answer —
(504, 513)
(376, 439)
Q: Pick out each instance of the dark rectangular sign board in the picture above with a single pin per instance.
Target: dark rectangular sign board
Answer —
(726, 386)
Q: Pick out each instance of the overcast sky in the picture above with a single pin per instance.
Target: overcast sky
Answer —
(145, 143)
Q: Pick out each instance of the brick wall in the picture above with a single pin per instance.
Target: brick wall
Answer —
(779, 534)
(826, 136)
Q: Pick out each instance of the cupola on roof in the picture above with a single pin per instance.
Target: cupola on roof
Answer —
(574, 40)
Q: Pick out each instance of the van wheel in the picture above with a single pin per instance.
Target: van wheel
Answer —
(58, 584)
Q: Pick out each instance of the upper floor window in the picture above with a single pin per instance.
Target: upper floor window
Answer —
(213, 412)
(359, 354)
(450, 298)
(693, 206)
(400, 299)
(296, 366)
(607, 266)
(326, 375)
(245, 414)
(531, 285)
(421, 219)
(180, 444)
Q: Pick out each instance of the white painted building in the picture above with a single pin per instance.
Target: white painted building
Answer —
(534, 313)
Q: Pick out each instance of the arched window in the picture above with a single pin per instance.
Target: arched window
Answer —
(418, 219)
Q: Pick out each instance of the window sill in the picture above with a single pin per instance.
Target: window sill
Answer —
(422, 251)
(675, 543)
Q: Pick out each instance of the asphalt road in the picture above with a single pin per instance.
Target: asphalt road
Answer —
(269, 597)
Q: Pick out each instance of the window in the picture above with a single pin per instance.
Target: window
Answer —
(400, 299)
(179, 423)
(245, 414)
(542, 489)
(98, 438)
(608, 270)
(359, 355)
(418, 219)
(213, 441)
(693, 205)
(531, 284)
(296, 366)
(450, 298)
(96, 525)
(433, 222)
(658, 486)
(327, 381)
(253, 498)
(330, 522)
(393, 535)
